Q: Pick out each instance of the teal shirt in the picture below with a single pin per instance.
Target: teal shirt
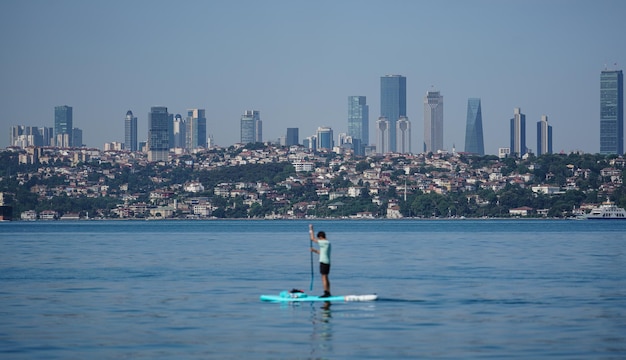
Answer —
(324, 251)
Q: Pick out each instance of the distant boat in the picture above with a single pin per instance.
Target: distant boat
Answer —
(607, 211)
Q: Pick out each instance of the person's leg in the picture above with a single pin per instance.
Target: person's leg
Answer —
(326, 283)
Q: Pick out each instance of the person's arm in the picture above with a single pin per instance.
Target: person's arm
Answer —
(311, 234)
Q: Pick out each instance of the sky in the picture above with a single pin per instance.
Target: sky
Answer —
(298, 61)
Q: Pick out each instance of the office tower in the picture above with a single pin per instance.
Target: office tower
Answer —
(382, 135)
(392, 104)
(63, 125)
(358, 122)
(130, 131)
(612, 112)
(325, 138)
(180, 132)
(292, 137)
(310, 143)
(433, 122)
(251, 127)
(196, 128)
(47, 135)
(544, 136)
(518, 133)
(403, 135)
(474, 128)
(158, 134)
(24, 136)
(77, 137)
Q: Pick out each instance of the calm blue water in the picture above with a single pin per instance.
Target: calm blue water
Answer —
(449, 289)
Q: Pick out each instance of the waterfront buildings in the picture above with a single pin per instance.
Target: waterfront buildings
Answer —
(433, 122)
(358, 123)
(518, 133)
(382, 135)
(612, 112)
(63, 125)
(251, 127)
(403, 135)
(130, 131)
(195, 131)
(158, 134)
(474, 143)
(544, 136)
(392, 105)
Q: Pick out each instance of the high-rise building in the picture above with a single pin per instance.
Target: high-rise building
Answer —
(77, 137)
(544, 136)
(158, 134)
(612, 112)
(433, 122)
(358, 122)
(518, 133)
(251, 127)
(310, 143)
(179, 128)
(392, 103)
(474, 143)
(382, 135)
(24, 136)
(292, 137)
(130, 131)
(325, 138)
(63, 125)
(403, 135)
(196, 128)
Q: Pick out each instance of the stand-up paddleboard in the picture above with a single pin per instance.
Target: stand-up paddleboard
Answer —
(287, 296)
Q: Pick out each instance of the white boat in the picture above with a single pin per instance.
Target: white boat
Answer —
(607, 211)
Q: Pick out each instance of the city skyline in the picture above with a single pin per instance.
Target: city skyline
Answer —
(302, 73)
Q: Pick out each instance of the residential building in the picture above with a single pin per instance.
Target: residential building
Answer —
(158, 134)
(433, 122)
(612, 112)
(130, 131)
(518, 133)
(544, 136)
(474, 143)
(392, 104)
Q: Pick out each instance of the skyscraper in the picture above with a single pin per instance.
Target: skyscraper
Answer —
(433, 122)
(403, 135)
(130, 132)
(382, 135)
(251, 127)
(392, 103)
(63, 125)
(292, 137)
(544, 136)
(358, 122)
(518, 133)
(325, 138)
(474, 143)
(77, 137)
(196, 128)
(612, 112)
(179, 128)
(158, 134)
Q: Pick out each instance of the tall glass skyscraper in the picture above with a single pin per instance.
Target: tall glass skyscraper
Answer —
(130, 131)
(63, 126)
(292, 137)
(544, 136)
(474, 143)
(251, 126)
(325, 138)
(392, 103)
(518, 133)
(358, 122)
(179, 129)
(433, 122)
(196, 128)
(158, 134)
(612, 112)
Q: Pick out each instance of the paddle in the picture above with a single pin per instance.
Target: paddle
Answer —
(311, 252)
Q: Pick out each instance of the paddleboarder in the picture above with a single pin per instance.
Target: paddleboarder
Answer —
(324, 253)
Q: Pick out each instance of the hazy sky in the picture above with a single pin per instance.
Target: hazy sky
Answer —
(298, 61)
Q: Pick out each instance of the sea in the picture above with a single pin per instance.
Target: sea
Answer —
(448, 289)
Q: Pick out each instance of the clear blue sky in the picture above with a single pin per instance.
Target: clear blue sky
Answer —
(298, 61)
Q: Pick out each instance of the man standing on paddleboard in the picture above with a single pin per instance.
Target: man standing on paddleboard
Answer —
(324, 253)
